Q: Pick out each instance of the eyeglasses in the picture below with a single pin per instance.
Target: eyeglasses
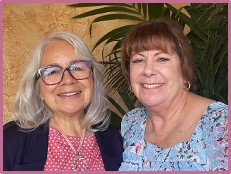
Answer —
(53, 74)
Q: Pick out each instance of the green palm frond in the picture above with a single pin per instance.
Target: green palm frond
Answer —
(209, 37)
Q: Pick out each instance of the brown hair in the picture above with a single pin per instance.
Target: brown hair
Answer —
(160, 34)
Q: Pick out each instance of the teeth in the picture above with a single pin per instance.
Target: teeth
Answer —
(152, 85)
(69, 94)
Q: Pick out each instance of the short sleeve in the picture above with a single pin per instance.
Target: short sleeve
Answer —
(218, 150)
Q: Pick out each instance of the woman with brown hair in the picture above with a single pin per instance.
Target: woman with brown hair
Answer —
(175, 130)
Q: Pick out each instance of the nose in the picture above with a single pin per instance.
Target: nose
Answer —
(67, 78)
(150, 68)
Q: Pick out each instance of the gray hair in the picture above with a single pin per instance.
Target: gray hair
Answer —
(29, 109)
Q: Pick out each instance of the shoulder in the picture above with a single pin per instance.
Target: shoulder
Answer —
(210, 110)
(133, 120)
(20, 146)
(215, 115)
(215, 121)
(13, 141)
(217, 105)
(207, 104)
(218, 114)
(9, 125)
(11, 130)
(217, 111)
(15, 138)
(214, 125)
(135, 114)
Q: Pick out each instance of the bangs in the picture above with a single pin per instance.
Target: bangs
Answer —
(152, 37)
(152, 43)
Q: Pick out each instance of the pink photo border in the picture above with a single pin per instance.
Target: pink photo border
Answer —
(103, 1)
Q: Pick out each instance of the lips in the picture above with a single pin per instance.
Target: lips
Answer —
(69, 94)
(153, 85)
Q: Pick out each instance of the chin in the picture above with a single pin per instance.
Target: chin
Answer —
(150, 103)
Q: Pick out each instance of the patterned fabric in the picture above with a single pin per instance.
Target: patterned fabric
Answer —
(60, 155)
(206, 151)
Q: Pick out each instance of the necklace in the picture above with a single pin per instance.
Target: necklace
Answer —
(78, 156)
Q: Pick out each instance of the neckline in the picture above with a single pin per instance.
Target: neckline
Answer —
(70, 136)
(180, 143)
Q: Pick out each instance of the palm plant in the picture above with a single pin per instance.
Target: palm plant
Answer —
(208, 36)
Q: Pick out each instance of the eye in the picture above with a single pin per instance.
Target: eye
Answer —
(162, 59)
(76, 69)
(137, 60)
(80, 66)
(48, 73)
(52, 71)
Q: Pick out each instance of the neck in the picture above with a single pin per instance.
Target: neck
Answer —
(71, 127)
(161, 125)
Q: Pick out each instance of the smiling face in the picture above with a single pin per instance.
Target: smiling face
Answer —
(156, 77)
(70, 96)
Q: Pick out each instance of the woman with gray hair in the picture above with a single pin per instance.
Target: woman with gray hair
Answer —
(61, 121)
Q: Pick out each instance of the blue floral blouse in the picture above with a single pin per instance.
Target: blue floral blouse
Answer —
(206, 151)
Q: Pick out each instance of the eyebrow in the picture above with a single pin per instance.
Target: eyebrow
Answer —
(156, 54)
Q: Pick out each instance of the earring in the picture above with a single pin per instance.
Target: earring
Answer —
(188, 85)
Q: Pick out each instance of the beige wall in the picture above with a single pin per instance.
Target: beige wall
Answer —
(24, 24)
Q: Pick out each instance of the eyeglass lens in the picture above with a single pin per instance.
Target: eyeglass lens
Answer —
(54, 74)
